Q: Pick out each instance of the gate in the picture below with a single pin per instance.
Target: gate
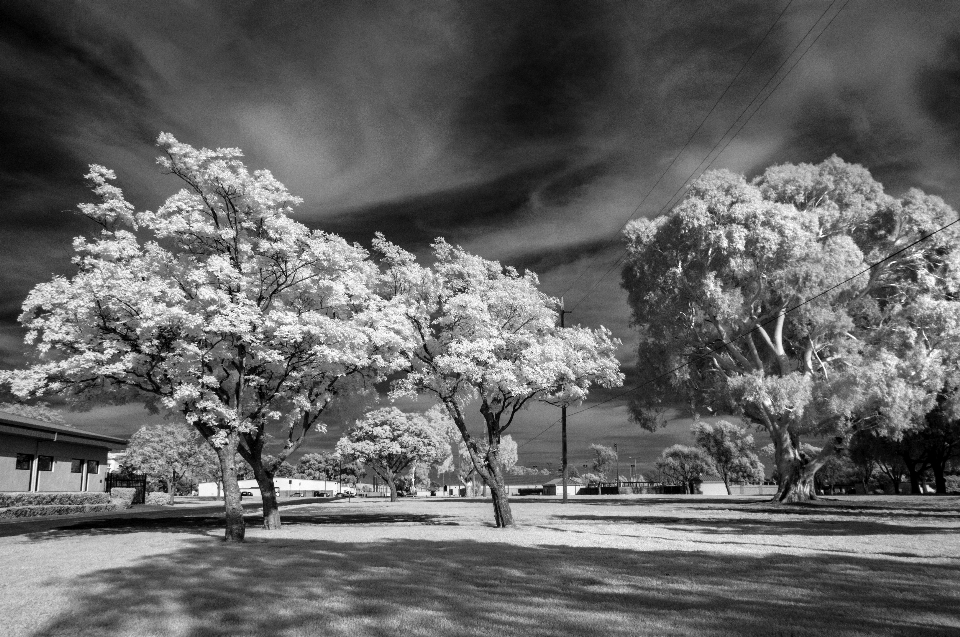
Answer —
(138, 482)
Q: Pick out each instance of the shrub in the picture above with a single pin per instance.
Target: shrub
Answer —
(48, 499)
(158, 497)
(953, 483)
(123, 496)
(54, 509)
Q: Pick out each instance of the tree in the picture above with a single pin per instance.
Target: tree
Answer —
(39, 411)
(604, 460)
(735, 294)
(169, 451)
(485, 332)
(731, 452)
(390, 441)
(218, 307)
(685, 465)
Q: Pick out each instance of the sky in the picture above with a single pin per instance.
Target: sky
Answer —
(526, 132)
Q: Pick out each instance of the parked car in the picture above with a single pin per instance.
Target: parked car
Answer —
(246, 494)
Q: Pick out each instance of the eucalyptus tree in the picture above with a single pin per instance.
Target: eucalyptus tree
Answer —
(217, 306)
(484, 332)
(749, 299)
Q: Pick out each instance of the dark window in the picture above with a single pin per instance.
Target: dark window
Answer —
(24, 460)
(93, 466)
(44, 463)
(76, 466)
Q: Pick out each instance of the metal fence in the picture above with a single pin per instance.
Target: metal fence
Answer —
(138, 482)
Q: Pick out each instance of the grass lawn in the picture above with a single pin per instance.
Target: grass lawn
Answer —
(631, 566)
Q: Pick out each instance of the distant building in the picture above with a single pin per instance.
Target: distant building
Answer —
(42, 456)
(285, 487)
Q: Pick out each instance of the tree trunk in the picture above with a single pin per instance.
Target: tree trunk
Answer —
(914, 481)
(502, 514)
(726, 485)
(170, 488)
(796, 478)
(233, 509)
(268, 492)
(393, 489)
(939, 479)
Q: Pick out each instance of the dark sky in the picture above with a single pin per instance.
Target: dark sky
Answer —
(527, 132)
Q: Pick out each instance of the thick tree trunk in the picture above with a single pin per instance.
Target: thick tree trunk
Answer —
(268, 492)
(233, 509)
(393, 489)
(796, 478)
(170, 486)
(915, 477)
(939, 479)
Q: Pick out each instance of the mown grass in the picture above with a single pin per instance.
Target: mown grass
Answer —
(652, 566)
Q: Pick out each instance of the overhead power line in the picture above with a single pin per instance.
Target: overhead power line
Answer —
(723, 344)
(695, 131)
(690, 177)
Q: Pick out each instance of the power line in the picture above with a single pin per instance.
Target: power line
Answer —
(685, 183)
(734, 340)
(696, 130)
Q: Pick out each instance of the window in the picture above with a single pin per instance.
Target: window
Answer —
(76, 465)
(24, 460)
(44, 463)
(93, 466)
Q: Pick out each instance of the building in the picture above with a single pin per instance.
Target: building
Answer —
(44, 456)
(555, 487)
(285, 487)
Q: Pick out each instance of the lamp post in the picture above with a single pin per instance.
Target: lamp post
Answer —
(631, 468)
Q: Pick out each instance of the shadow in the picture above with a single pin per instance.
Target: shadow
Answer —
(766, 527)
(414, 588)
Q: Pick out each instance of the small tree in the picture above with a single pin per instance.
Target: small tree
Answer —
(390, 441)
(684, 465)
(731, 452)
(604, 460)
(170, 451)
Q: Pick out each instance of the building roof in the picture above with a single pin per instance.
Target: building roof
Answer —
(571, 481)
(24, 426)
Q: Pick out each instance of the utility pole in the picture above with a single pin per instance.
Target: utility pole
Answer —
(563, 420)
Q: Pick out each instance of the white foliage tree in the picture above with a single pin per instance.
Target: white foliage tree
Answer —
(483, 332)
(217, 306)
(390, 441)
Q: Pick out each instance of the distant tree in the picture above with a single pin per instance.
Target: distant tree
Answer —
(684, 465)
(485, 332)
(389, 441)
(170, 451)
(735, 297)
(604, 460)
(838, 470)
(941, 438)
(731, 452)
(326, 465)
(39, 411)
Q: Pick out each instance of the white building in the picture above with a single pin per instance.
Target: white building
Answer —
(285, 487)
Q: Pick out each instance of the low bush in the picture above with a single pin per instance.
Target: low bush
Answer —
(48, 499)
(54, 509)
(953, 483)
(158, 497)
(123, 496)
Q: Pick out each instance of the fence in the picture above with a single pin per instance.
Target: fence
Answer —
(138, 482)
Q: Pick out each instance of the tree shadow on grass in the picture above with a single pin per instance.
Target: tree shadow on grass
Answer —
(204, 524)
(764, 527)
(415, 588)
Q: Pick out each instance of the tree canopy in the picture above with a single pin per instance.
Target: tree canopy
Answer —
(731, 452)
(483, 332)
(737, 290)
(169, 451)
(389, 441)
(216, 306)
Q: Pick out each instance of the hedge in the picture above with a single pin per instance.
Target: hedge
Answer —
(54, 499)
(54, 509)
(123, 496)
(158, 497)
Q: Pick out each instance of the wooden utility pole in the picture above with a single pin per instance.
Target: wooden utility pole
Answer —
(563, 423)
